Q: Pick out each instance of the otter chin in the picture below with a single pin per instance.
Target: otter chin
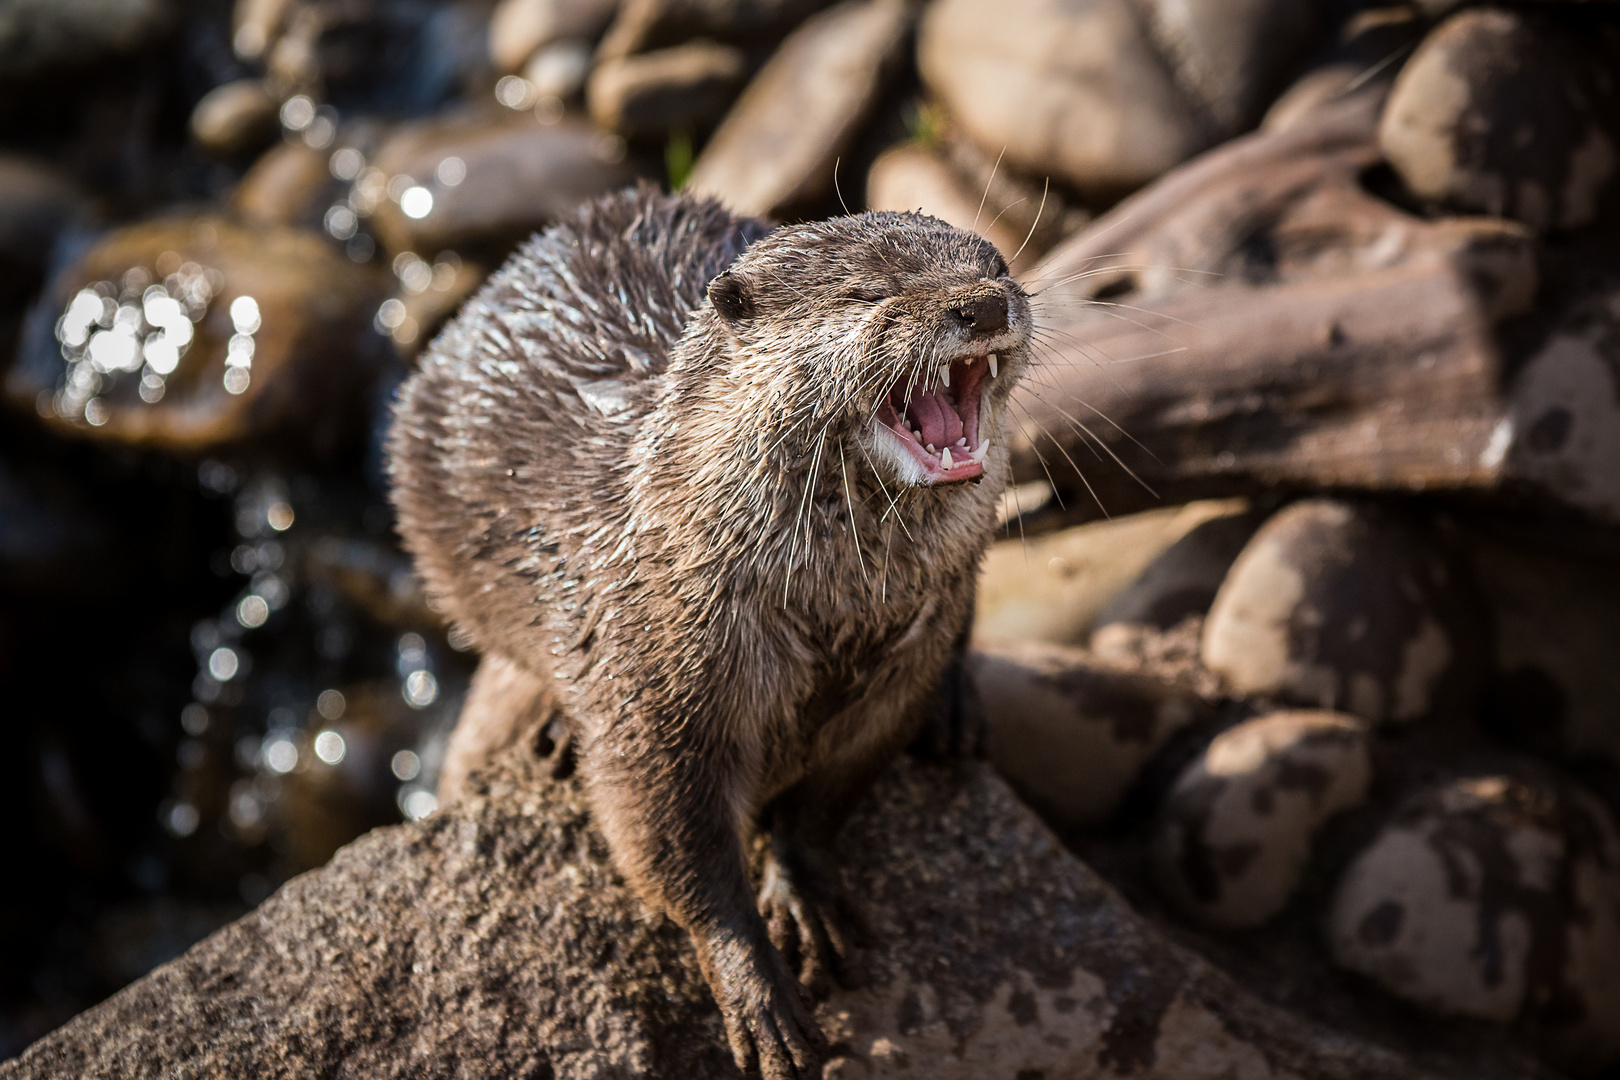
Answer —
(721, 490)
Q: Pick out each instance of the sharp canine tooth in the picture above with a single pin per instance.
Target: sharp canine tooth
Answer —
(945, 375)
(992, 359)
(945, 458)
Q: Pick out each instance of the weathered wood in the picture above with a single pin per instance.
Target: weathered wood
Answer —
(1259, 319)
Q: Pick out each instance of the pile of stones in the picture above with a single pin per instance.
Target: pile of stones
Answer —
(1327, 299)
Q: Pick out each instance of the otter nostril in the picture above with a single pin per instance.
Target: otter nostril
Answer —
(983, 314)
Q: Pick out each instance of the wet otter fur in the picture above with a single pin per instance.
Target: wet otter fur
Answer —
(665, 459)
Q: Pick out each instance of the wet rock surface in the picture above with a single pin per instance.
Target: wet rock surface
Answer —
(514, 174)
(196, 334)
(507, 938)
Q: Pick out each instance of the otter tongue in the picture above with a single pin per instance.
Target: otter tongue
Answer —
(936, 418)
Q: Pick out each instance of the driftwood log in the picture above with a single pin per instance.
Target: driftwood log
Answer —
(1259, 318)
(494, 939)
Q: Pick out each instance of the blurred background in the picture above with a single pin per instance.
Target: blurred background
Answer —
(1350, 249)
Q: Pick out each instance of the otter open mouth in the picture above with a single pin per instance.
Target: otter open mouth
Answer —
(937, 421)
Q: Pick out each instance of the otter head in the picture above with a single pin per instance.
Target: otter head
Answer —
(896, 333)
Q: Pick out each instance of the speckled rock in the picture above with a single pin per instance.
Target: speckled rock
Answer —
(1562, 428)
(682, 88)
(1345, 606)
(516, 175)
(778, 146)
(519, 28)
(493, 939)
(1235, 832)
(1184, 579)
(1509, 113)
(236, 118)
(1556, 616)
(1231, 58)
(1495, 896)
(1070, 733)
(190, 334)
(1051, 588)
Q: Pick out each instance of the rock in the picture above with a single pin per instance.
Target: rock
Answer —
(1075, 91)
(1069, 733)
(236, 118)
(778, 146)
(40, 36)
(1341, 606)
(376, 578)
(1289, 330)
(292, 184)
(558, 71)
(516, 175)
(520, 28)
(1498, 897)
(257, 23)
(1232, 58)
(1509, 113)
(1183, 580)
(342, 788)
(494, 938)
(1556, 622)
(1050, 588)
(1234, 835)
(915, 178)
(1360, 61)
(1561, 431)
(36, 203)
(682, 88)
(192, 334)
(425, 308)
(643, 25)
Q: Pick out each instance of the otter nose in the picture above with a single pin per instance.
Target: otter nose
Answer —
(982, 314)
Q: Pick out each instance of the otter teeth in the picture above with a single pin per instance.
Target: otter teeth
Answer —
(979, 452)
(945, 458)
(992, 359)
(915, 434)
(945, 375)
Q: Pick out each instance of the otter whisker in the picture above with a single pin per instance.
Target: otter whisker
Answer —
(1046, 187)
(854, 525)
(987, 185)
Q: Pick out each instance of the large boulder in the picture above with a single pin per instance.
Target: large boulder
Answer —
(495, 939)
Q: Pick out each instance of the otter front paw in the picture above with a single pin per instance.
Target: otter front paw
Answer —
(808, 922)
(767, 1015)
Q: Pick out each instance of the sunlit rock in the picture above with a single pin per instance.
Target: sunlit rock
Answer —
(1344, 606)
(1235, 832)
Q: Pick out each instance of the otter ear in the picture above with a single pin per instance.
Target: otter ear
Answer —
(731, 297)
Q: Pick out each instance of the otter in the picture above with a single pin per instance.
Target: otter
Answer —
(726, 488)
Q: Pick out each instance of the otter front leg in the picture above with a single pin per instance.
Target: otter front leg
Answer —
(672, 824)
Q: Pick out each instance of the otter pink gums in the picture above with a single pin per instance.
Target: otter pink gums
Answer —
(728, 488)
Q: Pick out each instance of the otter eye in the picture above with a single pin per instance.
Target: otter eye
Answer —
(999, 267)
